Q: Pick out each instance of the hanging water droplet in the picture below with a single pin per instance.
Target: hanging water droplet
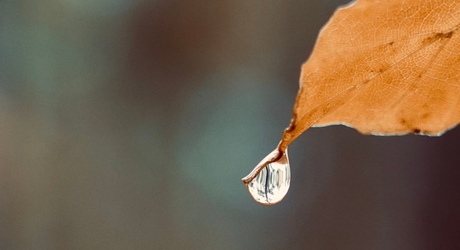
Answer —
(272, 183)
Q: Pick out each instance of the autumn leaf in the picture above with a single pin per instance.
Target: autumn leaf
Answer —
(384, 67)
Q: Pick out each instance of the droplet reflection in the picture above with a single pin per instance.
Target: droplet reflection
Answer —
(272, 183)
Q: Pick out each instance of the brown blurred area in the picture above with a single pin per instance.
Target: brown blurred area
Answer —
(129, 124)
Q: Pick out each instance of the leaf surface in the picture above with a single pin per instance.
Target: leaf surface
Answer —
(384, 67)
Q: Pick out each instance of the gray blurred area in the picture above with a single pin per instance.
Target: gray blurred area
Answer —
(129, 124)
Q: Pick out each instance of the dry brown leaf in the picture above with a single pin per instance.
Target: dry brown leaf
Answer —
(384, 67)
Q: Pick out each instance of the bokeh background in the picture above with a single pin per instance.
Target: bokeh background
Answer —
(128, 124)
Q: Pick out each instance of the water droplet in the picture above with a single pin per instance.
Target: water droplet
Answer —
(272, 183)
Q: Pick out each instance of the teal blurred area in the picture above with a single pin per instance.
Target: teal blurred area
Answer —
(129, 124)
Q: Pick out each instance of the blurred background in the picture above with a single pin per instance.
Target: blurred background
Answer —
(129, 124)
